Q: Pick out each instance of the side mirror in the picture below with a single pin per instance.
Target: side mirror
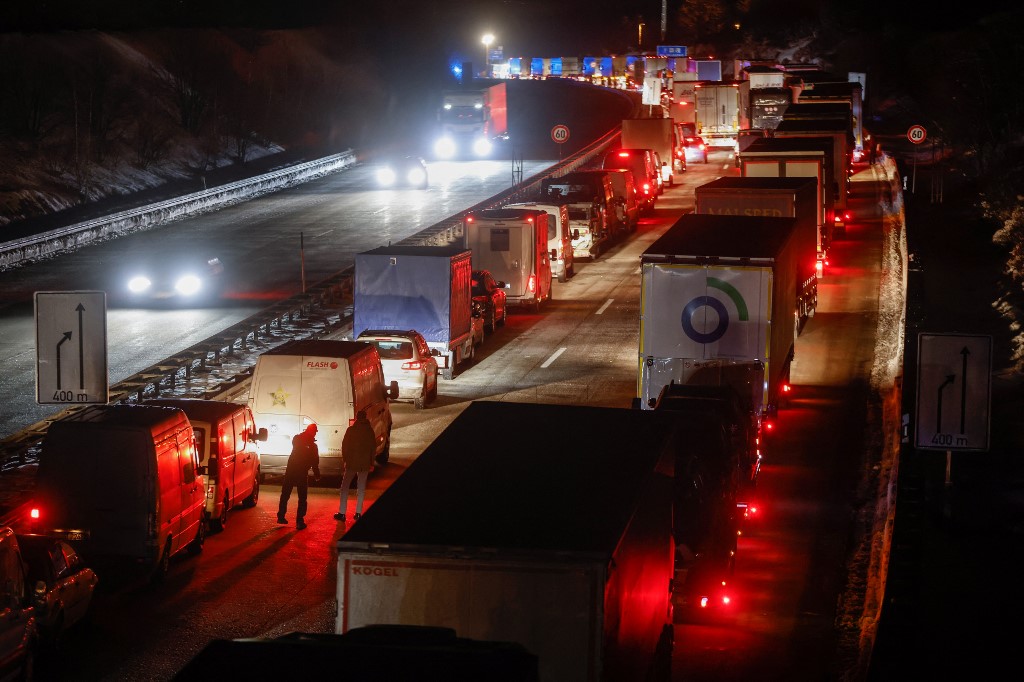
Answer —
(434, 352)
(554, 253)
(262, 435)
(393, 390)
(576, 233)
(204, 470)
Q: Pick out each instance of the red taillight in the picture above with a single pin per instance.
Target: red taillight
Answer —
(704, 602)
(469, 219)
(647, 188)
(415, 364)
(769, 426)
(531, 286)
(786, 388)
(34, 514)
(624, 155)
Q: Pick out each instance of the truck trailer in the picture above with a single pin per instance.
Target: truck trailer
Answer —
(561, 542)
(718, 113)
(839, 132)
(426, 288)
(778, 198)
(717, 301)
(798, 158)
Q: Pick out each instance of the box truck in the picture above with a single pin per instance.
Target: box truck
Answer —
(840, 133)
(425, 288)
(578, 574)
(779, 198)
(658, 134)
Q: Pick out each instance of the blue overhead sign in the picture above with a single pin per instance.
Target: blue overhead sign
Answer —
(671, 50)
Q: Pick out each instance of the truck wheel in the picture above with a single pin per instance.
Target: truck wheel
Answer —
(447, 373)
(254, 496)
(562, 276)
(420, 401)
(504, 316)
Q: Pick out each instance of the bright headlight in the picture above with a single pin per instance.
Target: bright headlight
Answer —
(386, 176)
(188, 285)
(445, 147)
(137, 285)
(416, 176)
(482, 147)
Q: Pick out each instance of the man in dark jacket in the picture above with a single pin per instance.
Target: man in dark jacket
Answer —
(304, 455)
(357, 450)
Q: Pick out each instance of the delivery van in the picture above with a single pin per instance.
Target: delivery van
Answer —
(226, 438)
(122, 483)
(559, 238)
(324, 383)
(512, 243)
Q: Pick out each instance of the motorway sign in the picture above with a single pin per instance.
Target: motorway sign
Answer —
(560, 133)
(671, 50)
(71, 347)
(917, 134)
(954, 393)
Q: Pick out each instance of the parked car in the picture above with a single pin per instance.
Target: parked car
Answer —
(19, 634)
(696, 150)
(406, 358)
(62, 584)
(490, 293)
(403, 171)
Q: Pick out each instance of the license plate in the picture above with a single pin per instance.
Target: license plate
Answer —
(76, 535)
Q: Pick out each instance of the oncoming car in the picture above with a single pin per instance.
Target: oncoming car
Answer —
(173, 280)
(403, 171)
(406, 358)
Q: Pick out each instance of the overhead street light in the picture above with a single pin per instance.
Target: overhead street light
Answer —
(487, 39)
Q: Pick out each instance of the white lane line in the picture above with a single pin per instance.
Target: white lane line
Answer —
(554, 356)
(605, 306)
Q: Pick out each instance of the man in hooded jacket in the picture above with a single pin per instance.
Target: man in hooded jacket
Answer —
(305, 455)
(357, 450)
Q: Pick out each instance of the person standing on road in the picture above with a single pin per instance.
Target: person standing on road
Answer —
(357, 450)
(305, 455)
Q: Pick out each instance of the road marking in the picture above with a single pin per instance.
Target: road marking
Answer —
(554, 356)
(605, 306)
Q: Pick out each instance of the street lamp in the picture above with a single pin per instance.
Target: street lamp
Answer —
(487, 39)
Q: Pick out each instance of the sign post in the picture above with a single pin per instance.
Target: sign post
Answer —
(916, 134)
(560, 135)
(954, 393)
(71, 347)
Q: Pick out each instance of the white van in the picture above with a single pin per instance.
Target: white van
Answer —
(226, 438)
(324, 383)
(512, 243)
(122, 483)
(559, 238)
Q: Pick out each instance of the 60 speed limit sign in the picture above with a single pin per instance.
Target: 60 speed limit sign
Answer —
(917, 134)
(560, 133)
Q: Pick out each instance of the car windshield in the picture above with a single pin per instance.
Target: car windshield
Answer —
(394, 350)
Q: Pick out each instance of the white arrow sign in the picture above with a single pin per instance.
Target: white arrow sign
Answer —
(953, 392)
(71, 347)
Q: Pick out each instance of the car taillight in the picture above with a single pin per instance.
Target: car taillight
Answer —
(531, 286)
(647, 188)
(34, 513)
(415, 364)
(786, 388)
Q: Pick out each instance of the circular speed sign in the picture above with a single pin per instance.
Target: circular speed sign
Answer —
(917, 134)
(560, 133)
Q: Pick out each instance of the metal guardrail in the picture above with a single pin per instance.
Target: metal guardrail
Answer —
(319, 311)
(73, 236)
